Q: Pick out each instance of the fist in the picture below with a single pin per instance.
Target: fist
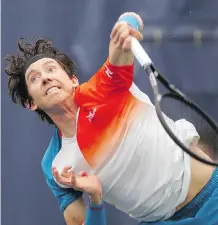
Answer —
(122, 32)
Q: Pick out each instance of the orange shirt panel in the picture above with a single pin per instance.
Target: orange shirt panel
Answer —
(104, 103)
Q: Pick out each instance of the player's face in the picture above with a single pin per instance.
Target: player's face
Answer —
(48, 84)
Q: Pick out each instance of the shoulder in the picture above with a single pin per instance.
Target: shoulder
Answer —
(108, 82)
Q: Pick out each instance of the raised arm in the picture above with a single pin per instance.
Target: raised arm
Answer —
(129, 24)
(115, 77)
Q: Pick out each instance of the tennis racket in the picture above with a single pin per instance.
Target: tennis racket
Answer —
(175, 105)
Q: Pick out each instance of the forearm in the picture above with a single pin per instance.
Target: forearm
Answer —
(75, 212)
(95, 213)
(71, 221)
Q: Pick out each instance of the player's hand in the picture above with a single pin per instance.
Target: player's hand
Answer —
(121, 32)
(81, 182)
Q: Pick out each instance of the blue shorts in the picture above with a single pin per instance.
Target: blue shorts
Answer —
(202, 210)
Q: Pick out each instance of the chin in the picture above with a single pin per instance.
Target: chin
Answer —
(57, 101)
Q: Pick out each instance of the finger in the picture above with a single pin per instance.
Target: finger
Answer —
(66, 171)
(115, 29)
(54, 170)
(66, 175)
(77, 182)
(55, 174)
(123, 36)
(74, 180)
(66, 168)
(59, 178)
(121, 29)
(127, 44)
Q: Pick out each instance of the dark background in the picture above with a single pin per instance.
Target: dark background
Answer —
(82, 28)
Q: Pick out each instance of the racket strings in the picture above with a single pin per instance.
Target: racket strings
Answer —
(180, 111)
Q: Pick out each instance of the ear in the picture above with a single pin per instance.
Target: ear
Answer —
(75, 81)
(31, 107)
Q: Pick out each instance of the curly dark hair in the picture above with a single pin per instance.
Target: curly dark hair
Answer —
(15, 70)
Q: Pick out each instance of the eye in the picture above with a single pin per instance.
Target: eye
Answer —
(51, 69)
(34, 79)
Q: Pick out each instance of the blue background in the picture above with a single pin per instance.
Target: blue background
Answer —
(82, 28)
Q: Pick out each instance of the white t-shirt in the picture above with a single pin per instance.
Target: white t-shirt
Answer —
(120, 139)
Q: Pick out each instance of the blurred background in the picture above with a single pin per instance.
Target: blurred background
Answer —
(181, 36)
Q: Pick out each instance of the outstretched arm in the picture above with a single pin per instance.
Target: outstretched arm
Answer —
(129, 24)
(116, 75)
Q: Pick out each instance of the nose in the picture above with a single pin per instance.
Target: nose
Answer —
(46, 79)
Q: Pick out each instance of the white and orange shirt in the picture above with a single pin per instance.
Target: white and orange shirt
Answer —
(120, 139)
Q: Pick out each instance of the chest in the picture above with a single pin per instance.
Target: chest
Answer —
(71, 155)
(100, 120)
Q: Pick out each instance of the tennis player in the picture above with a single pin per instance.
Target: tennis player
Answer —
(109, 128)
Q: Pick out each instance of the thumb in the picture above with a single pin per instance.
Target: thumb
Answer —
(74, 180)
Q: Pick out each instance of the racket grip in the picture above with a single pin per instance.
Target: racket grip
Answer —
(139, 53)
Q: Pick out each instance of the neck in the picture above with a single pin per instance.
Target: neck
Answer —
(65, 119)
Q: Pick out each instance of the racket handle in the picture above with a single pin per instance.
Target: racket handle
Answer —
(140, 54)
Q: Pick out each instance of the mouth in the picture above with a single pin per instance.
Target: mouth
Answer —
(52, 90)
